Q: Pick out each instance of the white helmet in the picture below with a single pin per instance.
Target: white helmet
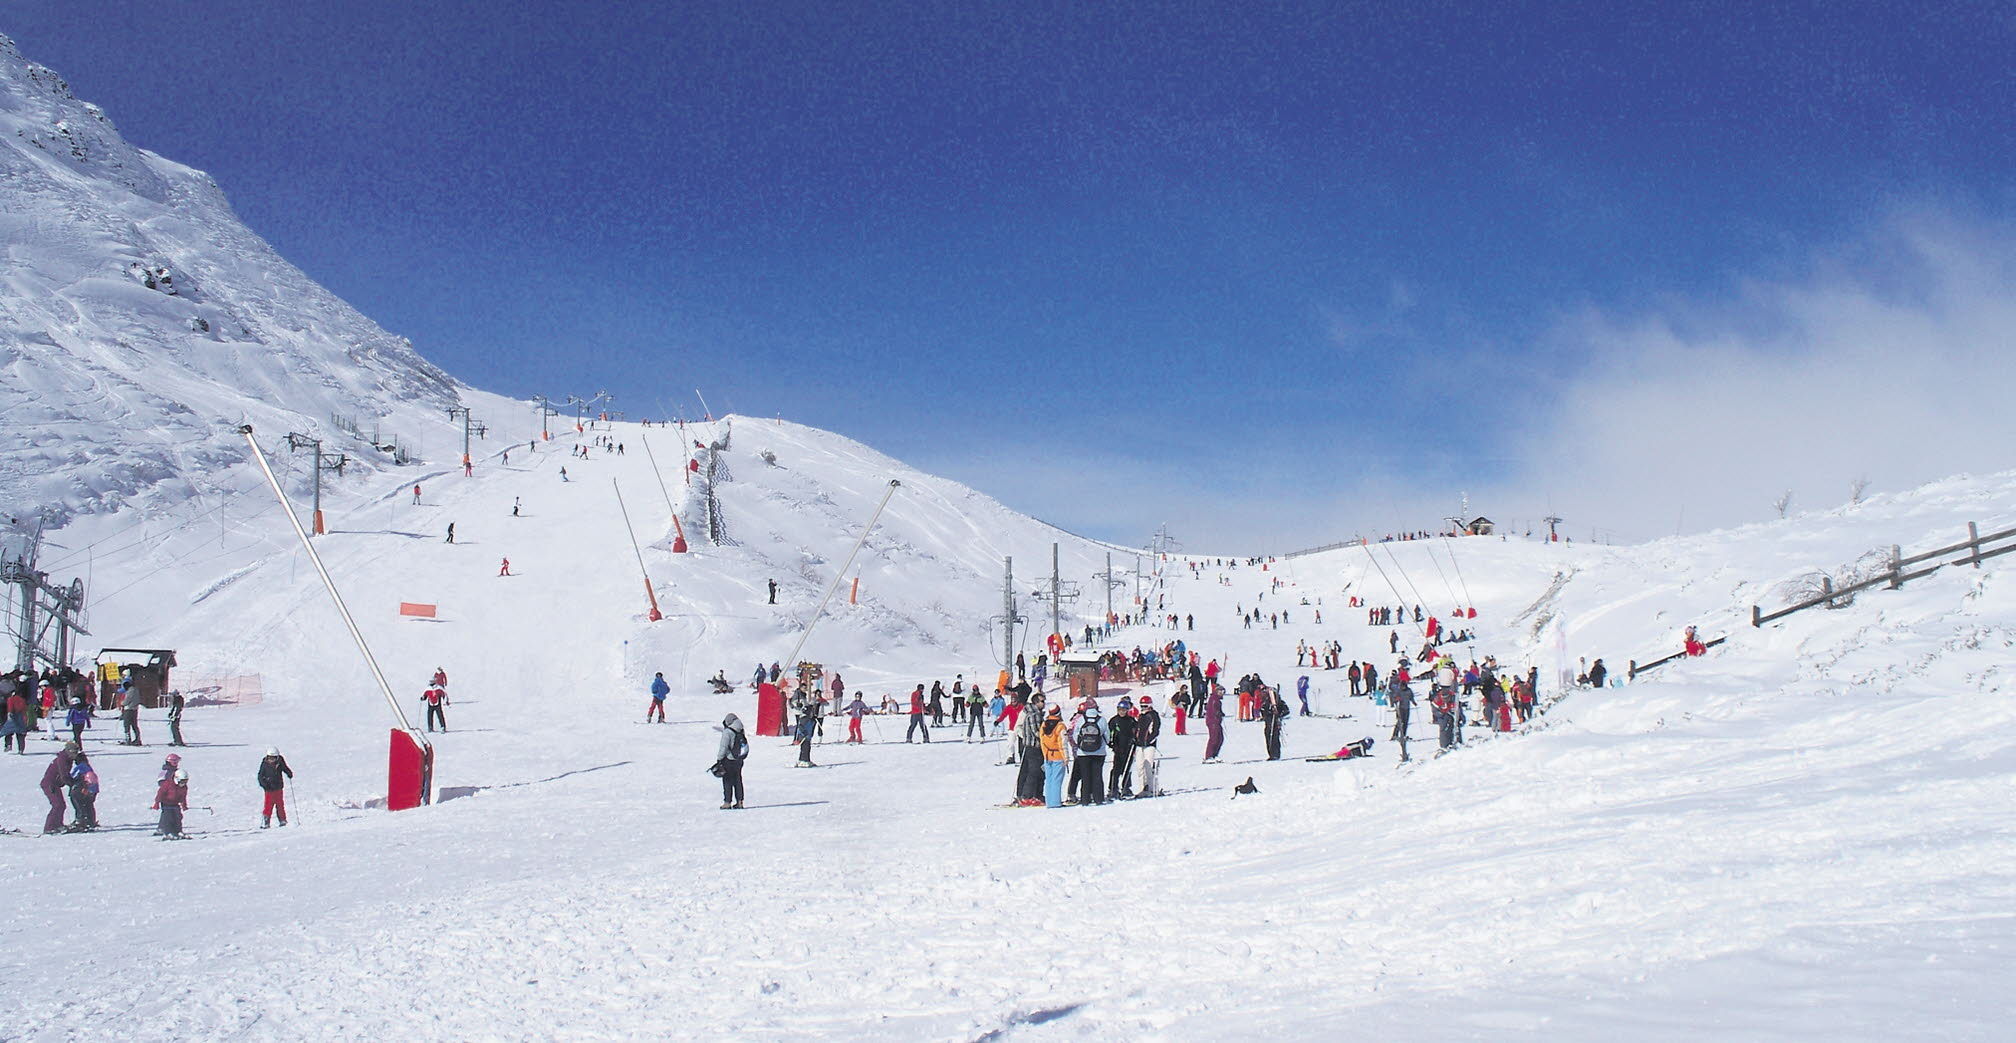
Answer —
(272, 751)
(181, 776)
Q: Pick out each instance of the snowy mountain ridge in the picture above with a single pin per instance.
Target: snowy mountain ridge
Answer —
(141, 322)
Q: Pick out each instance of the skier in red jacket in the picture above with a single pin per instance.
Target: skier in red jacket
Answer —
(436, 698)
(917, 721)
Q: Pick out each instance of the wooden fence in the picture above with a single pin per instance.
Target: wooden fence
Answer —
(1901, 569)
(1976, 545)
(1634, 668)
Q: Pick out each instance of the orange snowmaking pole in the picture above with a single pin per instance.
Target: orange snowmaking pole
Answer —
(649, 594)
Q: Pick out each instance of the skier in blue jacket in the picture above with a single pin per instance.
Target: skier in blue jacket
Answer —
(659, 690)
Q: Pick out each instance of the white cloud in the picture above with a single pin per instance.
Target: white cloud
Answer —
(1892, 359)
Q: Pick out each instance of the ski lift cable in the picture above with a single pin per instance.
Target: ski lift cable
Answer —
(1418, 599)
(1468, 601)
(1389, 580)
(1438, 569)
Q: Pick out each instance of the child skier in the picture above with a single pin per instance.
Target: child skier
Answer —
(172, 798)
(83, 794)
(79, 718)
(854, 711)
(273, 776)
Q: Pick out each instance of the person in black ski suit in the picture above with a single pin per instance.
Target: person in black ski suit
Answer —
(1402, 697)
(1273, 712)
(175, 704)
(1120, 732)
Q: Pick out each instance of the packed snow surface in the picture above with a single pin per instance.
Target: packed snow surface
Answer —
(1805, 833)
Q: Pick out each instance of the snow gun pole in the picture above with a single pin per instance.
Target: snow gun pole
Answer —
(840, 573)
(648, 593)
(706, 410)
(425, 748)
(678, 530)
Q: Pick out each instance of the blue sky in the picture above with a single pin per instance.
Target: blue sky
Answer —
(1320, 266)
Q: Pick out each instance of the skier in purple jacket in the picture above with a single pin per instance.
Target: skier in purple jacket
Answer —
(1214, 722)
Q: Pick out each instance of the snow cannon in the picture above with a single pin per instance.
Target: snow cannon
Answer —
(409, 772)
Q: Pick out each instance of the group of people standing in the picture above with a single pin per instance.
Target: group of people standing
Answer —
(1049, 747)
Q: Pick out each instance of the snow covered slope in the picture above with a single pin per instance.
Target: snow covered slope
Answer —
(1803, 834)
(141, 322)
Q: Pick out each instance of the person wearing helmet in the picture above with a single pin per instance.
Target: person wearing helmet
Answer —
(83, 794)
(1120, 733)
(273, 776)
(79, 718)
(1147, 759)
(172, 798)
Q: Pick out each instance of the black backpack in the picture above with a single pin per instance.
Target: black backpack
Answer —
(1088, 736)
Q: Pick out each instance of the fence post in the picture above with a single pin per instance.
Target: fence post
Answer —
(1896, 555)
(1974, 544)
(1756, 616)
(1631, 670)
(1827, 588)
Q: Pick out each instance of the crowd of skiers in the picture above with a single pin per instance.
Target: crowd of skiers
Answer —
(1499, 703)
